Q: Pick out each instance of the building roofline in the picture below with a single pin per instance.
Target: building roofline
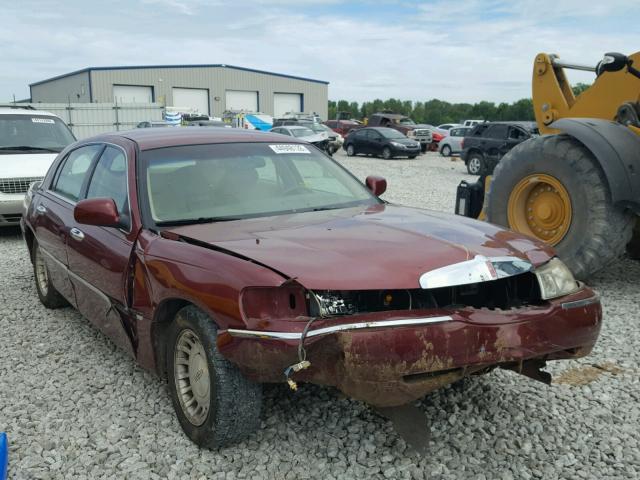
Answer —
(146, 67)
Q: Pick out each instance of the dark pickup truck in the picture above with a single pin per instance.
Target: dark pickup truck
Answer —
(488, 142)
(418, 132)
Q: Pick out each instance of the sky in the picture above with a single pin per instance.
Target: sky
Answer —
(458, 51)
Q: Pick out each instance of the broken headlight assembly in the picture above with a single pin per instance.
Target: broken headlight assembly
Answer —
(555, 279)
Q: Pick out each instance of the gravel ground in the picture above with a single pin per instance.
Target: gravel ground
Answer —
(76, 407)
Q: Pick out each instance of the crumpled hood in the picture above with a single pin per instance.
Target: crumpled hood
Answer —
(21, 165)
(380, 247)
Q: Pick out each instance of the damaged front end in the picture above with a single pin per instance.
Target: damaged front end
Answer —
(390, 347)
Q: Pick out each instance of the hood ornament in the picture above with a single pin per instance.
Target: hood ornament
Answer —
(479, 269)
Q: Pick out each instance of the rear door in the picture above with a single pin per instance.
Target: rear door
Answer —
(99, 256)
(53, 213)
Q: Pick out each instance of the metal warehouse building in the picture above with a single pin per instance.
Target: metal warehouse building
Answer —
(210, 89)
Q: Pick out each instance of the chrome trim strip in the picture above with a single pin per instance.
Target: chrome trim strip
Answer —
(337, 328)
(581, 303)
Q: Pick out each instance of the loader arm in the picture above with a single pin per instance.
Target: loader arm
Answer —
(553, 98)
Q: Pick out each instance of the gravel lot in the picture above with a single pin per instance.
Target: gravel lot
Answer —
(76, 407)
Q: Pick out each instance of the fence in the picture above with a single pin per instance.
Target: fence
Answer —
(87, 119)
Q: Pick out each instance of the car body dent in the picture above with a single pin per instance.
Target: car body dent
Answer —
(385, 246)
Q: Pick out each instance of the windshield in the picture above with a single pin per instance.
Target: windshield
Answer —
(320, 128)
(301, 132)
(33, 133)
(390, 133)
(406, 121)
(196, 183)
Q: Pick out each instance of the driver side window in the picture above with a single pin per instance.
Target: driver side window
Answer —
(109, 180)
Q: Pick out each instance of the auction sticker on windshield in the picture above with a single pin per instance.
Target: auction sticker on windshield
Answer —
(288, 148)
(42, 120)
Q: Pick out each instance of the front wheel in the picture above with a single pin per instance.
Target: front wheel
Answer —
(386, 153)
(445, 151)
(476, 164)
(215, 404)
(351, 151)
(552, 188)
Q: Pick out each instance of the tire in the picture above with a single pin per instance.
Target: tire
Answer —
(476, 164)
(598, 232)
(49, 296)
(445, 151)
(386, 153)
(231, 410)
(351, 150)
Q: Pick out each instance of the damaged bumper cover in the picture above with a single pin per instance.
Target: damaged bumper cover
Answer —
(393, 358)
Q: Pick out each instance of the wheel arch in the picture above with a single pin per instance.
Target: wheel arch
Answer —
(29, 238)
(164, 315)
(470, 152)
(617, 151)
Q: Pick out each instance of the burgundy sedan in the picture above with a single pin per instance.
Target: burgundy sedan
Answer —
(225, 259)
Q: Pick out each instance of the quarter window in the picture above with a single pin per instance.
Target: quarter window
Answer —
(73, 172)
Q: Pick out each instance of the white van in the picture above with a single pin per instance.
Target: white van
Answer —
(29, 142)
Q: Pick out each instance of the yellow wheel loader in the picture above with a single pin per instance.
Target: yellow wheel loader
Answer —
(577, 186)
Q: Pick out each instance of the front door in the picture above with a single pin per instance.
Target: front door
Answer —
(53, 211)
(99, 256)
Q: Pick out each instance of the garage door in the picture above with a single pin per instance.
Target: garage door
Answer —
(196, 99)
(132, 94)
(286, 102)
(242, 100)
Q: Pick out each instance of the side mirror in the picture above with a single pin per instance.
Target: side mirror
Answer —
(612, 62)
(97, 211)
(377, 185)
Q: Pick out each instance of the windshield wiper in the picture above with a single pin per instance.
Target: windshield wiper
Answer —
(194, 221)
(27, 147)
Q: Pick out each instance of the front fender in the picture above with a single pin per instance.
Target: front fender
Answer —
(617, 150)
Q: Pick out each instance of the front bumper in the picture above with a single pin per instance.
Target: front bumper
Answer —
(394, 358)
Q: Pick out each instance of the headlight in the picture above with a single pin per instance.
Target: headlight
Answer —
(555, 279)
(397, 145)
(411, 133)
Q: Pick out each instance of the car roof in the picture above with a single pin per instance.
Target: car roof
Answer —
(294, 127)
(150, 138)
(24, 111)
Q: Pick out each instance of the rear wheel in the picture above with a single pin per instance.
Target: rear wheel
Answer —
(351, 151)
(47, 293)
(445, 151)
(386, 153)
(475, 164)
(215, 404)
(552, 188)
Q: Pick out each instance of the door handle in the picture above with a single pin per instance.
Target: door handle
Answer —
(41, 210)
(76, 234)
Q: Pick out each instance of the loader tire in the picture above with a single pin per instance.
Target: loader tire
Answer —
(562, 168)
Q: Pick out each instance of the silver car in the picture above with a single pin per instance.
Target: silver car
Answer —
(320, 140)
(452, 143)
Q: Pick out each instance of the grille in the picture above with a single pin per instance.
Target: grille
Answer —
(17, 185)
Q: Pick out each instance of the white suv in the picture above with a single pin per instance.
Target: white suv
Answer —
(29, 142)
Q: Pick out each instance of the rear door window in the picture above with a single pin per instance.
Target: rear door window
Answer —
(74, 172)
(497, 131)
